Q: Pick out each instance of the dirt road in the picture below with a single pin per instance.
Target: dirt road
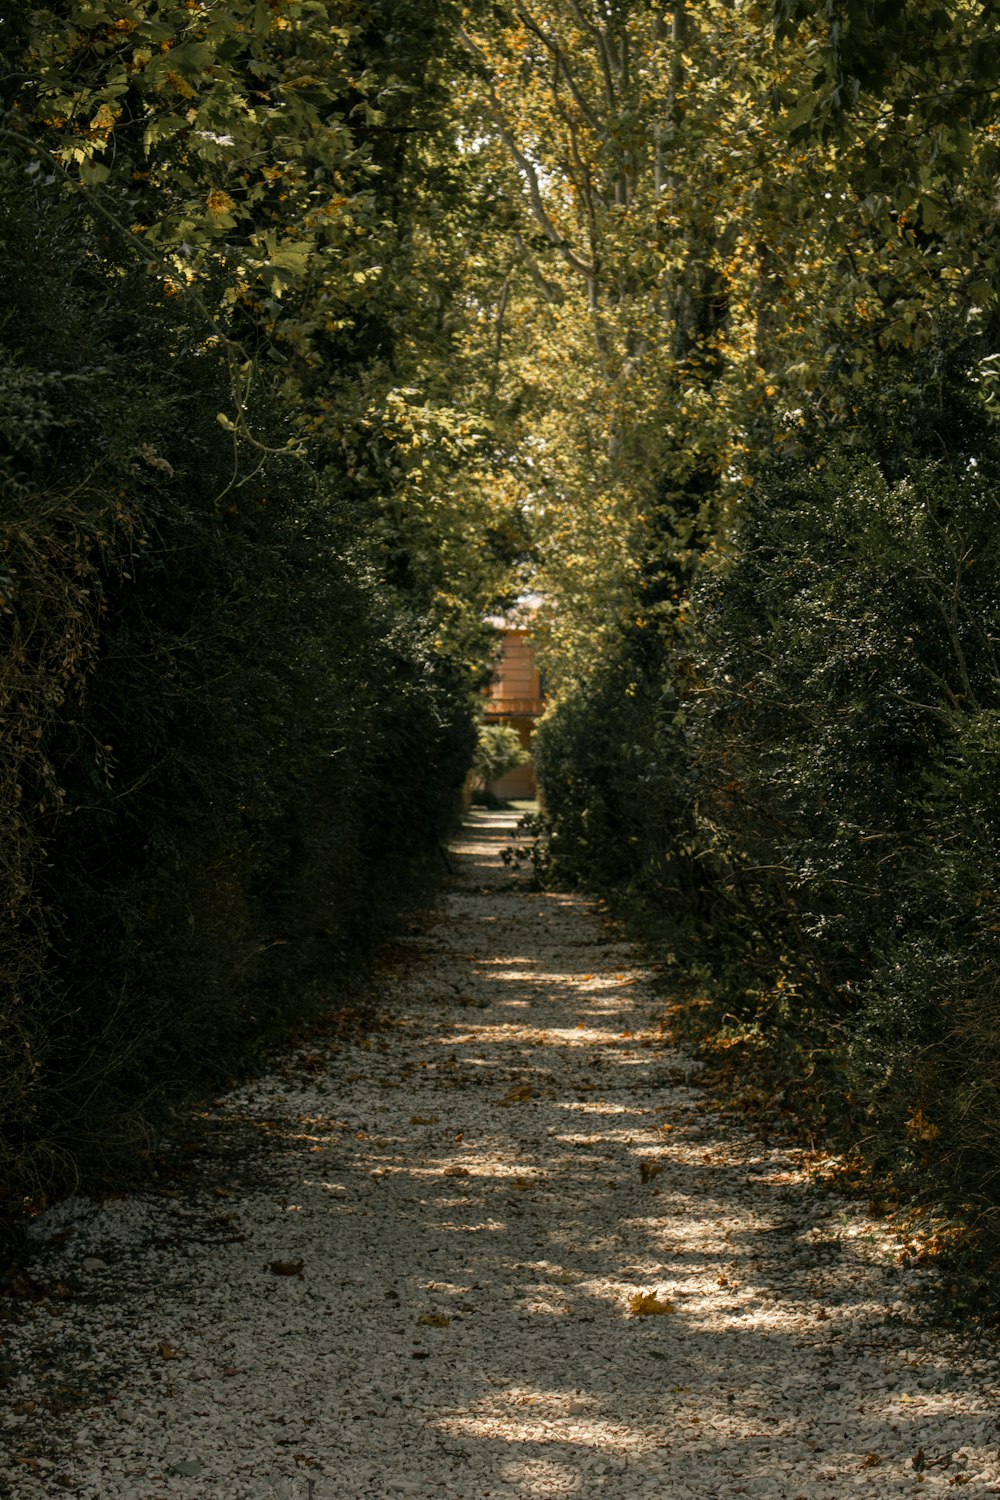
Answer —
(501, 1247)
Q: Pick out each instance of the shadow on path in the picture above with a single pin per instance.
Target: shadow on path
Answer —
(503, 1248)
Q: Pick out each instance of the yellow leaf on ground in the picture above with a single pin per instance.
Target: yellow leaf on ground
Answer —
(433, 1320)
(517, 1094)
(648, 1305)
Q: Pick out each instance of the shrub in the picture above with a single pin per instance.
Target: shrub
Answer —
(799, 795)
(227, 751)
(498, 750)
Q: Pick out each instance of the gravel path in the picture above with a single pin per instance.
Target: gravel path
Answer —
(499, 1248)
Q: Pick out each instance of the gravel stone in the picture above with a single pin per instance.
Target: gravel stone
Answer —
(412, 1264)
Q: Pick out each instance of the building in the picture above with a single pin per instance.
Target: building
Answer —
(515, 695)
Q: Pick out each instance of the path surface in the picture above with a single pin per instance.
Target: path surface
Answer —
(410, 1266)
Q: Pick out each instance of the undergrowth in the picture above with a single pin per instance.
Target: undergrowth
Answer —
(789, 791)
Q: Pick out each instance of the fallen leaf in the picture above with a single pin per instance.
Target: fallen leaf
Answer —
(649, 1169)
(287, 1267)
(517, 1094)
(648, 1305)
(871, 1460)
(167, 1351)
(433, 1320)
(423, 1119)
(23, 1285)
(221, 1192)
(456, 1172)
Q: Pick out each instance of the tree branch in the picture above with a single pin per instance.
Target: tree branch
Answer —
(559, 56)
(529, 173)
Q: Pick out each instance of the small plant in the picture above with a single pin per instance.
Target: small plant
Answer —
(537, 853)
(499, 750)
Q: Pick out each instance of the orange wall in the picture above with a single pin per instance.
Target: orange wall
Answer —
(519, 783)
(516, 675)
(515, 698)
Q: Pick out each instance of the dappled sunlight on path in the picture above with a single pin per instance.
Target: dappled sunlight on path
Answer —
(504, 1248)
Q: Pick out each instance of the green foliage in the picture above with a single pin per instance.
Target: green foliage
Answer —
(798, 794)
(328, 328)
(498, 750)
(537, 852)
(224, 738)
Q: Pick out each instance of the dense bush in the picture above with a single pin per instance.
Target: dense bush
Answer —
(612, 764)
(223, 741)
(810, 818)
(498, 750)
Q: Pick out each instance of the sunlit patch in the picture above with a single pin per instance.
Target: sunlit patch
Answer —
(597, 1107)
(506, 962)
(538, 1306)
(576, 1036)
(541, 1476)
(451, 1288)
(622, 1295)
(506, 1032)
(485, 1226)
(435, 1170)
(523, 1415)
